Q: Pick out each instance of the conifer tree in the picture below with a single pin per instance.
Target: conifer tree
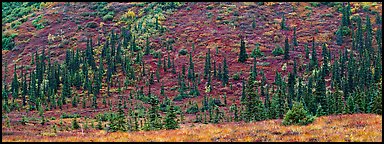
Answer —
(320, 93)
(254, 23)
(320, 110)
(75, 124)
(243, 53)
(379, 37)
(225, 72)
(297, 115)
(339, 36)
(306, 51)
(214, 69)
(359, 36)
(243, 92)
(291, 89)
(207, 65)
(325, 60)
(15, 86)
(294, 37)
(119, 124)
(147, 48)
(377, 107)
(368, 36)
(350, 106)
(94, 101)
(313, 63)
(154, 116)
(170, 119)
(24, 87)
(99, 125)
(282, 25)
(191, 69)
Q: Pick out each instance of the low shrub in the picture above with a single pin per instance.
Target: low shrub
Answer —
(278, 51)
(256, 52)
(297, 116)
(183, 52)
(236, 76)
(91, 24)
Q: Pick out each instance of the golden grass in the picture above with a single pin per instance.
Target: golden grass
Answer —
(357, 127)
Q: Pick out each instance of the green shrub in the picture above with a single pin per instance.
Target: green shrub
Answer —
(235, 13)
(15, 25)
(108, 17)
(297, 115)
(209, 7)
(91, 24)
(355, 17)
(345, 31)
(256, 52)
(315, 4)
(278, 51)
(64, 115)
(366, 7)
(183, 52)
(36, 23)
(236, 76)
(327, 15)
(24, 120)
(7, 42)
(180, 97)
(219, 18)
(75, 124)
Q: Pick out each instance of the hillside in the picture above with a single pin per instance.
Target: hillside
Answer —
(124, 65)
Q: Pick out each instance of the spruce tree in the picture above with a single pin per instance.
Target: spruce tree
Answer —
(75, 124)
(350, 106)
(207, 65)
(147, 48)
(320, 110)
(254, 23)
(368, 36)
(325, 60)
(291, 89)
(313, 62)
(377, 107)
(294, 37)
(170, 119)
(243, 96)
(15, 86)
(25, 91)
(306, 51)
(282, 24)
(359, 35)
(320, 93)
(243, 53)
(119, 123)
(339, 36)
(191, 69)
(225, 72)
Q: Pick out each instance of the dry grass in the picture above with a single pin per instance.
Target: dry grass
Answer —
(357, 127)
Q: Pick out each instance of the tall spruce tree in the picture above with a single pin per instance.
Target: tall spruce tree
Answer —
(225, 72)
(294, 37)
(243, 53)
